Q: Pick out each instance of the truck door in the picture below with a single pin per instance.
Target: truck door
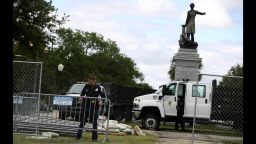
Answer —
(203, 107)
(170, 101)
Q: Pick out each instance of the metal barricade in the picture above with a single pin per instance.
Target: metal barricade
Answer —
(62, 114)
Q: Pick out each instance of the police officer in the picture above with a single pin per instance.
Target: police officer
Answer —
(90, 107)
(180, 113)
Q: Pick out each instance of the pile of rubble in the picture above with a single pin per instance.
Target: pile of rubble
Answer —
(121, 129)
(117, 128)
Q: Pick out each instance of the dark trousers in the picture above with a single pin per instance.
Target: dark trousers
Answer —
(179, 120)
(85, 113)
(192, 36)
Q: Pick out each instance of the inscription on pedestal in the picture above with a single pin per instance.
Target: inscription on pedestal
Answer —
(186, 73)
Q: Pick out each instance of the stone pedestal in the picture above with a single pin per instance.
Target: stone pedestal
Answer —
(186, 64)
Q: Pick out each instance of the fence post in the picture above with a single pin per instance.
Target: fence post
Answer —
(38, 105)
(194, 118)
(106, 133)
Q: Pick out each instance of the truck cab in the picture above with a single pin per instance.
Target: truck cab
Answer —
(161, 105)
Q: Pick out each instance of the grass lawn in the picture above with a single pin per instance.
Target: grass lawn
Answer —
(128, 139)
(114, 139)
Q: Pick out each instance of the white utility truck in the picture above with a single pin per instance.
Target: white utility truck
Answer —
(161, 105)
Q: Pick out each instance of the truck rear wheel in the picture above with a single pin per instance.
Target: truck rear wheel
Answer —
(151, 122)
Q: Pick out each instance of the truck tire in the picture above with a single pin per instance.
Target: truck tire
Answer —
(151, 122)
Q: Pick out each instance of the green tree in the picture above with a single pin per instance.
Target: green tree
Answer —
(34, 23)
(236, 70)
(82, 53)
(233, 78)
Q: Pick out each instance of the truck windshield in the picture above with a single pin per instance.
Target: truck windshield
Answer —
(76, 89)
(159, 91)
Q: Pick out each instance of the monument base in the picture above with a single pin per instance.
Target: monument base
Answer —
(186, 64)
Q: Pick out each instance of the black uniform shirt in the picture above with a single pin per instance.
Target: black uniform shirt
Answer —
(91, 91)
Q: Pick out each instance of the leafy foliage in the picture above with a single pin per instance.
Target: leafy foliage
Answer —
(34, 23)
(230, 80)
(83, 53)
(236, 70)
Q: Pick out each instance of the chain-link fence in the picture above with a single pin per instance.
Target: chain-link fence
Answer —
(26, 78)
(226, 107)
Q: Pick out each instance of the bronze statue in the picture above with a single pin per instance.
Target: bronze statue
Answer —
(185, 40)
(190, 21)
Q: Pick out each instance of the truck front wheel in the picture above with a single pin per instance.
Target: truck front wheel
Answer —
(151, 122)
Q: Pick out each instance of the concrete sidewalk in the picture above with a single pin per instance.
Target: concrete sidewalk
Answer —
(186, 138)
